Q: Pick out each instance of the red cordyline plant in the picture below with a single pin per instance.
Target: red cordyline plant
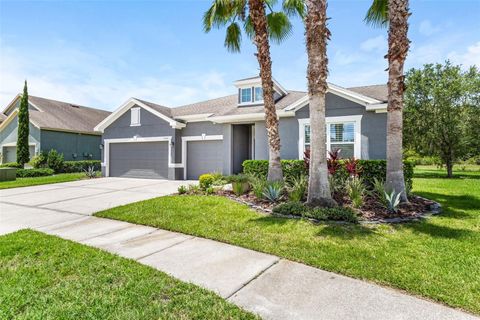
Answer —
(333, 162)
(353, 167)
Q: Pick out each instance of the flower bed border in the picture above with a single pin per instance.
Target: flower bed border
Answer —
(434, 209)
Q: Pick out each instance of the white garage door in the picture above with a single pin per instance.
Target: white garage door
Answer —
(10, 153)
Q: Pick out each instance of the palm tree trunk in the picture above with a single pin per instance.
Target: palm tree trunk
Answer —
(259, 22)
(398, 45)
(317, 35)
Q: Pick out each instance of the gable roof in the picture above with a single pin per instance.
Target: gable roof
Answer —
(377, 91)
(62, 116)
(158, 110)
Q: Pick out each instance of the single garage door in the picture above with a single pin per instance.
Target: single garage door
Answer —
(10, 153)
(204, 157)
(139, 160)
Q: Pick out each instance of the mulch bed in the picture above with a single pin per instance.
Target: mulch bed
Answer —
(370, 213)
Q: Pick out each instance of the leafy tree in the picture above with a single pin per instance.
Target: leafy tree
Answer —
(442, 112)
(394, 13)
(23, 153)
(260, 27)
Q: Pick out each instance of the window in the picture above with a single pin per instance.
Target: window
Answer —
(135, 117)
(258, 94)
(342, 133)
(342, 136)
(246, 95)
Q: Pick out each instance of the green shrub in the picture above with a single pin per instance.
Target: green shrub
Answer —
(182, 190)
(291, 168)
(55, 160)
(294, 168)
(39, 161)
(297, 187)
(81, 166)
(194, 189)
(206, 181)
(301, 210)
(356, 191)
(11, 165)
(292, 207)
(258, 184)
(334, 214)
(29, 173)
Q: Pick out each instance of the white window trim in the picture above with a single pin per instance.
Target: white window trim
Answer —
(241, 103)
(136, 109)
(357, 119)
(186, 139)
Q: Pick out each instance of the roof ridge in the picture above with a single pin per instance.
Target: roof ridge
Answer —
(370, 85)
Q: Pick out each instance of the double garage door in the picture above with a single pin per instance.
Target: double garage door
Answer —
(150, 159)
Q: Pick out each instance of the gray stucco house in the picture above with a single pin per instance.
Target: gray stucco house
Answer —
(147, 140)
(65, 127)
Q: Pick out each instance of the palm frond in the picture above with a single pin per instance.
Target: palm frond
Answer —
(279, 26)
(218, 15)
(233, 38)
(248, 27)
(294, 7)
(377, 14)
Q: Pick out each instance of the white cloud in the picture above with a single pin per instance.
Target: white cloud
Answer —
(427, 29)
(375, 44)
(343, 58)
(73, 74)
(468, 58)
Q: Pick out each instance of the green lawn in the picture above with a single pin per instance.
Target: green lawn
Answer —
(26, 182)
(438, 258)
(45, 277)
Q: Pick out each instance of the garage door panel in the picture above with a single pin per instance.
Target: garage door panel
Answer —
(204, 157)
(139, 160)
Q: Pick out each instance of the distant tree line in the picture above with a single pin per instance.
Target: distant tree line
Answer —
(442, 112)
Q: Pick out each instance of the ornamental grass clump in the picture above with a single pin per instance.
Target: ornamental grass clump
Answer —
(356, 191)
(297, 187)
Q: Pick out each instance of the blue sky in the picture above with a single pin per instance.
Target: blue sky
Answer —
(99, 53)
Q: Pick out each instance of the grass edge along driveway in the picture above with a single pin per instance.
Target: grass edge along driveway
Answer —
(45, 277)
(437, 258)
(36, 181)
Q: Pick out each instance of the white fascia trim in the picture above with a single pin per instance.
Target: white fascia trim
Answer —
(126, 106)
(186, 139)
(297, 105)
(249, 117)
(353, 96)
(8, 119)
(12, 103)
(194, 117)
(376, 106)
(107, 142)
(329, 120)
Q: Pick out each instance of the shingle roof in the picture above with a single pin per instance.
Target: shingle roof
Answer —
(228, 105)
(65, 116)
(162, 109)
(378, 91)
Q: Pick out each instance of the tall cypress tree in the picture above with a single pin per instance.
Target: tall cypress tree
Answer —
(23, 154)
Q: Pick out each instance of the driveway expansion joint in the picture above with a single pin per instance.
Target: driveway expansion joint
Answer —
(253, 279)
(163, 249)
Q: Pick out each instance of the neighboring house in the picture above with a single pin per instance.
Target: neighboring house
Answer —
(65, 127)
(143, 139)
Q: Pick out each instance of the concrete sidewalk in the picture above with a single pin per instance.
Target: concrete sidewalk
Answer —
(272, 287)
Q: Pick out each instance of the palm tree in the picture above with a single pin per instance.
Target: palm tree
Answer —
(317, 35)
(260, 27)
(394, 13)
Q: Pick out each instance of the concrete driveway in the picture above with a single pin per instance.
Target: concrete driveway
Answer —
(20, 207)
